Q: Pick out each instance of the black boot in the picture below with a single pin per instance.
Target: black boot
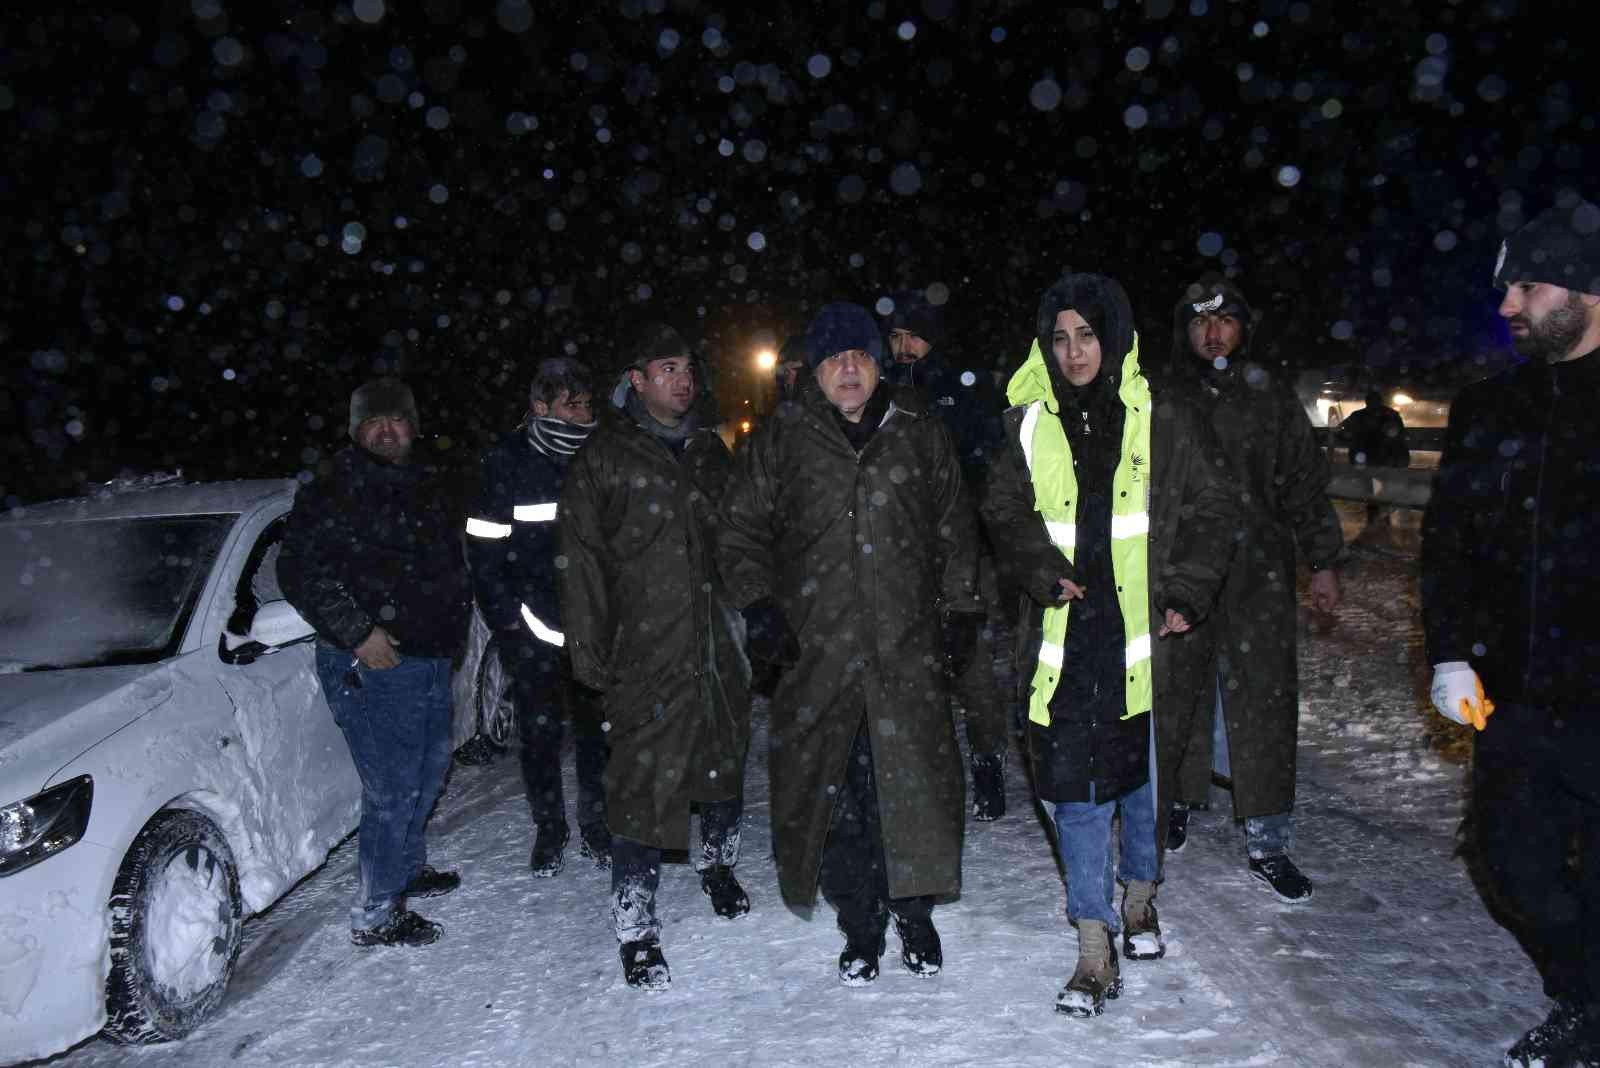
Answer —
(728, 898)
(920, 949)
(596, 843)
(988, 788)
(1280, 873)
(549, 842)
(858, 964)
(405, 928)
(644, 965)
(1548, 1040)
(432, 883)
(1178, 828)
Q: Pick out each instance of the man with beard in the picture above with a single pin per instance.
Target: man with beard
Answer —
(969, 405)
(849, 539)
(647, 623)
(513, 544)
(1246, 730)
(372, 559)
(1510, 578)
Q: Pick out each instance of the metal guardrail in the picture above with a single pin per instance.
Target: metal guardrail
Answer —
(1418, 438)
(1407, 487)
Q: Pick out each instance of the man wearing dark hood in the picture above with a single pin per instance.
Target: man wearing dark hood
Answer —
(513, 543)
(1510, 579)
(1246, 734)
(648, 625)
(848, 538)
(793, 363)
(968, 404)
(1110, 510)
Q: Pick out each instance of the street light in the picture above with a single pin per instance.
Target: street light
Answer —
(766, 359)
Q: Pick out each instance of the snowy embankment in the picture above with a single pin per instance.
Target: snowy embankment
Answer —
(1395, 961)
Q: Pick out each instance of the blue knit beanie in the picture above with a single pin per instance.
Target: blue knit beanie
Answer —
(840, 327)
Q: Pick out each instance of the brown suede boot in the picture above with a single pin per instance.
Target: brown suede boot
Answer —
(1096, 980)
(1141, 929)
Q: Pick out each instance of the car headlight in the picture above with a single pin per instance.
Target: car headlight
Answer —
(44, 824)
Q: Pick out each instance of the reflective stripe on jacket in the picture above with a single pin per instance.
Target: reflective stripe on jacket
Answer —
(1049, 458)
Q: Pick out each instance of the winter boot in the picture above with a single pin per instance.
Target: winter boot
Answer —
(920, 949)
(1279, 873)
(432, 883)
(1141, 928)
(728, 898)
(1548, 1040)
(1178, 828)
(406, 928)
(549, 841)
(988, 788)
(858, 964)
(596, 843)
(1096, 979)
(644, 966)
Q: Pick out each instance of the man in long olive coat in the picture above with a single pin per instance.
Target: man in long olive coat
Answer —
(1282, 479)
(647, 624)
(846, 526)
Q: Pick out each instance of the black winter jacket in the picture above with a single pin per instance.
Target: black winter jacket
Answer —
(970, 407)
(1511, 539)
(370, 543)
(513, 538)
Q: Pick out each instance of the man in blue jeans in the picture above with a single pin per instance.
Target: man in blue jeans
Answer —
(372, 560)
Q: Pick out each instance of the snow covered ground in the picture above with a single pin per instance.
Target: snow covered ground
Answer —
(1394, 962)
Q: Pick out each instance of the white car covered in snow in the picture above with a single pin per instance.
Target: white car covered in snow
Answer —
(167, 763)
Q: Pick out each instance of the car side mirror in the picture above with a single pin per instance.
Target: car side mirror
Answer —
(275, 625)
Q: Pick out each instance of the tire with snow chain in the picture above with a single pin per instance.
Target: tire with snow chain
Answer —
(176, 922)
(497, 713)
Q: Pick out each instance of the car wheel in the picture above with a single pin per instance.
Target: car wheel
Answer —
(497, 714)
(176, 922)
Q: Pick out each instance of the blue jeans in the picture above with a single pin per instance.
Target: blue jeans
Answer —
(1083, 833)
(397, 724)
(1264, 836)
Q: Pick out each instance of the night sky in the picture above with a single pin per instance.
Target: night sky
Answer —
(220, 217)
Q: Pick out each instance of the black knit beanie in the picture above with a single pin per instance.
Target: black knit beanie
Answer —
(1560, 246)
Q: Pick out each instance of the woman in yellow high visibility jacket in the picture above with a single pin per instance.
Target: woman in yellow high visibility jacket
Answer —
(1111, 510)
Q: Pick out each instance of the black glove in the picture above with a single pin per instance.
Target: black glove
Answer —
(960, 640)
(768, 636)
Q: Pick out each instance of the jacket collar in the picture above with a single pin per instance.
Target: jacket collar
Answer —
(1033, 381)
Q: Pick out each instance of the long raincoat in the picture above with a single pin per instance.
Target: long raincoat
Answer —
(647, 623)
(1281, 475)
(861, 552)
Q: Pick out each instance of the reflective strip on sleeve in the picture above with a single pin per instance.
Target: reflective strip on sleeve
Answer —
(1064, 535)
(1051, 653)
(482, 528)
(1030, 419)
(535, 513)
(1130, 526)
(1139, 649)
(540, 631)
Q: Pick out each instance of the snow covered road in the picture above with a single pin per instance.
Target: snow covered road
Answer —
(1395, 961)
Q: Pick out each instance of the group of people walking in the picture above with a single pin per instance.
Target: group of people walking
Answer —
(1133, 517)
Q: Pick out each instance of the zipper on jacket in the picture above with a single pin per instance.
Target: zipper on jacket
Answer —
(1538, 507)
